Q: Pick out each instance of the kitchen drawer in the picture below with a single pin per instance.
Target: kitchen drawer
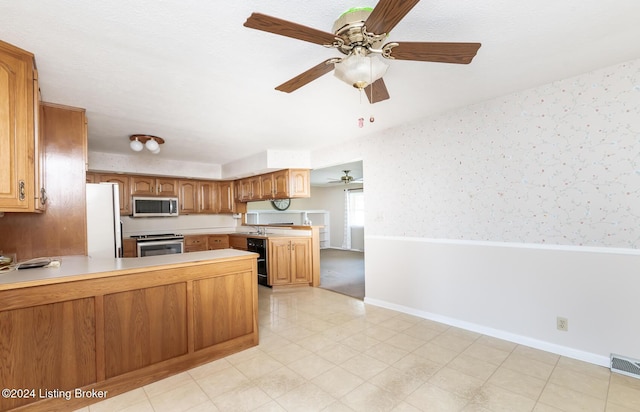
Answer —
(195, 243)
(218, 242)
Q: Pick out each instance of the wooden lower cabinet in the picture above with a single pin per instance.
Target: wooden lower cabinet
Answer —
(222, 308)
(289, 261)
(163, 312)
(195, 243)
(47, 346)
(215, 242)
(121, 332)
(238, 242)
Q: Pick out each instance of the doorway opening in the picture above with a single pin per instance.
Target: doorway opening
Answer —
(339, 190)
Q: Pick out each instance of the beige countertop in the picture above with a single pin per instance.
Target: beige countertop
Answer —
(255, 235)
(82, 267)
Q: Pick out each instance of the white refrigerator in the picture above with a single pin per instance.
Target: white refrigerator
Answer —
(104, 228)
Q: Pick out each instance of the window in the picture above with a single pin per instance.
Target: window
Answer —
(356, 208)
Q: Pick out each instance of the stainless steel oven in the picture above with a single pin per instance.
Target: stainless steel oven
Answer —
(162, 244)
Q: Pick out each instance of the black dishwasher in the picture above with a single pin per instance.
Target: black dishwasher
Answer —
(259, 246)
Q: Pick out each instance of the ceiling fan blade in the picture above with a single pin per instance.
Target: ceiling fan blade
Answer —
(275, 25)
(461, 53)
(376, 91)
(387, 14)
(307, 77)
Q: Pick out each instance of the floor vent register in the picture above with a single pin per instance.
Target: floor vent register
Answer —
(625, 366)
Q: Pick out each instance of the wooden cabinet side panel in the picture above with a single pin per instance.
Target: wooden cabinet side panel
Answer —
(144, 327)
(49, 346)
(130, 248)
(223, 308)
(65, 142)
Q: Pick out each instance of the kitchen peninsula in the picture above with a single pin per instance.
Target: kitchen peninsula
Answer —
(105, 326)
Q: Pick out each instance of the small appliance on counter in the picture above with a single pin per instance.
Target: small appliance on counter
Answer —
(6, 260)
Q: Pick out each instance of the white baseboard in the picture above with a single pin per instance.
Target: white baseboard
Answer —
(500, 334)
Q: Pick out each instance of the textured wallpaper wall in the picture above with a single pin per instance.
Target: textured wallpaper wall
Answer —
(558, 164)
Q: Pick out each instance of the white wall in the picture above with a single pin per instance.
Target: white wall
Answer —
(503, 215)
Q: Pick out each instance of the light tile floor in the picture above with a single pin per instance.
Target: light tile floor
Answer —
(322, 351)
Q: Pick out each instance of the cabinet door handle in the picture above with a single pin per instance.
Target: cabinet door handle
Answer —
(21, 190)
(43, 196)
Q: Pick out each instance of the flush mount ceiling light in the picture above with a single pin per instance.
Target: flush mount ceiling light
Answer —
(139, 141)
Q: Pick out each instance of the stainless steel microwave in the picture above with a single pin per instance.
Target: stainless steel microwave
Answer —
(154, 206)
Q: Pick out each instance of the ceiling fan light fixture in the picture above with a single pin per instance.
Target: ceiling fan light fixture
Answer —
(360, 68)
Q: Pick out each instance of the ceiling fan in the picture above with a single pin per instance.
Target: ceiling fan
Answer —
(346, 179)
(359, 34)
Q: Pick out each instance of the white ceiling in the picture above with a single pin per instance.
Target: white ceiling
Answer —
(189, 71)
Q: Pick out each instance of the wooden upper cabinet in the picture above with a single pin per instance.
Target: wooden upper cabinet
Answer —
(280, 184)
(143, 186)
(267, 186)
(124, 188)
(18, 114)
(167, 186)
(188, 195)
(299, 183)
(153, 186)
(226, 203)
(207, 197)
(245, 190)
(257, 192)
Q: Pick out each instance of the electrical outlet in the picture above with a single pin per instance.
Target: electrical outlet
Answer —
(562, 324)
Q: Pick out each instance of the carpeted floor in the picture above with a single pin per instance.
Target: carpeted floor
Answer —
(342, 271)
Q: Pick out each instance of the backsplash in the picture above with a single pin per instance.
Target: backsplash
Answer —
(185, 224)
